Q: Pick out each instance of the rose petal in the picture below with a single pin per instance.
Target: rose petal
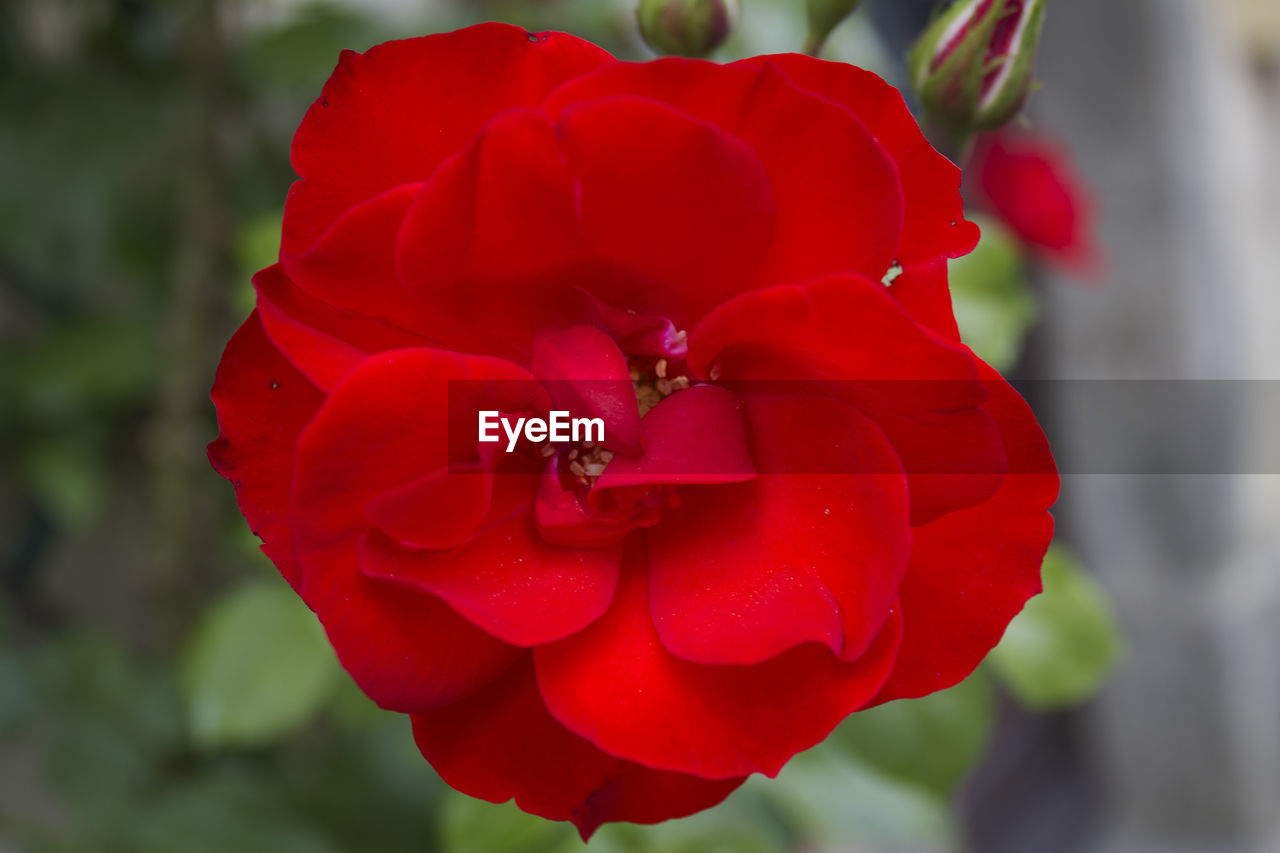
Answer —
(683, 224)
(616, 685)
(693, 436)
(563, 519)
(322, 358)
(352, 265)
(438, 510)
(641, 334)
(846, 337)
(507, 580)
(922, 289)
(845, 329)
(953, 460)
(263, 403)
(934, 223)
(739, 575)
(1030, 183)
(502, 743)
(359, 330)
(972, 571)
(586, 374)
(389, 116)
(407, 650)
(384, 425)
(836, 192)
(492, 241)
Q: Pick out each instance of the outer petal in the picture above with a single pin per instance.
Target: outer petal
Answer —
(352, 265)
(323, 341)
(842, 329)
(934, 222)
(972, 571)
(922, 289)
(407, 650)
(389, 116)
(847, 337)
(502, 743)
(739, 575)
(386, 424)
(616, 685)
(492, 241)
(836, 191)
(263, 404)
(503, 236)
(953, 459)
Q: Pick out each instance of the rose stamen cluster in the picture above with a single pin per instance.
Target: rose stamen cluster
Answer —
(653, 384)
(588, 463)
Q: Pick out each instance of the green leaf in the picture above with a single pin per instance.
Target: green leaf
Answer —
(748, 822)
(993, 305)
(257, 246)
(1064, 644)
(468, 824)
(932, 742)
(835, 802)
(258, 667)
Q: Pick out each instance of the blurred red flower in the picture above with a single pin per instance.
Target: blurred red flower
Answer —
(1029, 182)
(811, 496)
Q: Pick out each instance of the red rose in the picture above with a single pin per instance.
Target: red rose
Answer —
(1028, 181)
(490, 219)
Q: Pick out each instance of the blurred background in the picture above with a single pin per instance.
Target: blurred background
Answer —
(162, 690)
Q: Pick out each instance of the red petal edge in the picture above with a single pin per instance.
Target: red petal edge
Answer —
(502, 743)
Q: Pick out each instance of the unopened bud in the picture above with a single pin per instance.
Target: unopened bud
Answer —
(825, 16)
(686, 27)
(972, 68)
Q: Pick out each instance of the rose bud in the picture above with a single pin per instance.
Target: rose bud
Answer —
(1031, 184)
(686, 27)
(972, 67)
(825, 16)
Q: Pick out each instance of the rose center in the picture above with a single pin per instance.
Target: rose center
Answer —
(654, 380)
(584, 462)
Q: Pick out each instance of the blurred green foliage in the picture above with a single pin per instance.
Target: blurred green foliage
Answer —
(160, 688)
(117, 757)
(932, 742)
(992, 299)
(258, 667)
(1060, 649)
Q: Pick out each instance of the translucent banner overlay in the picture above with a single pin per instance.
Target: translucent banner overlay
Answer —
(945, 427)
